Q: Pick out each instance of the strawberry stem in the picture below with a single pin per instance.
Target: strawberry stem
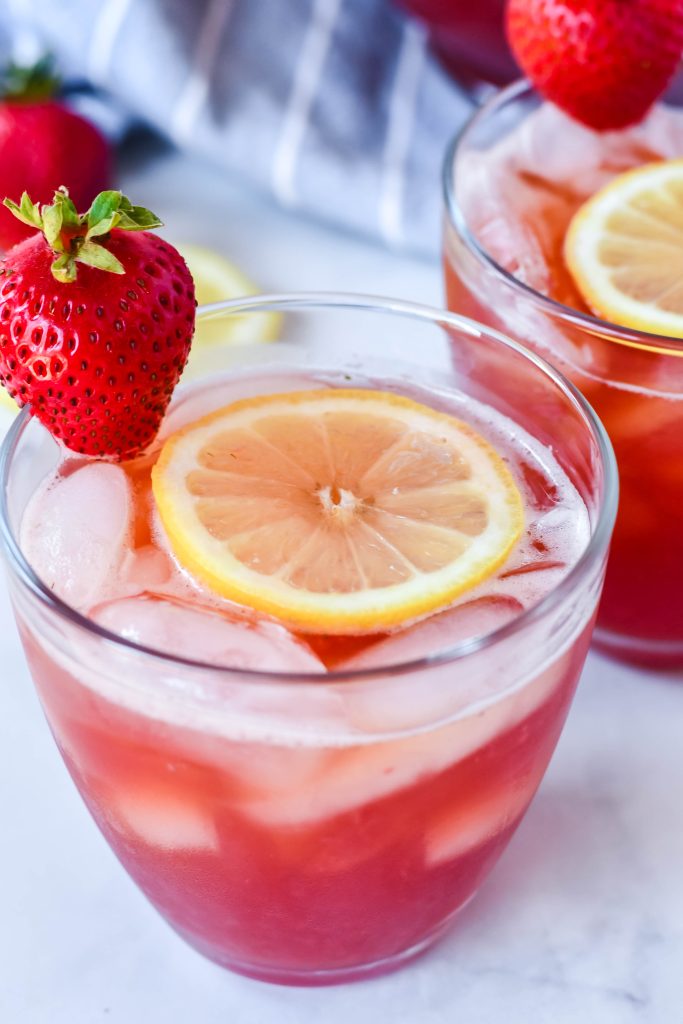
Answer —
(70, 234)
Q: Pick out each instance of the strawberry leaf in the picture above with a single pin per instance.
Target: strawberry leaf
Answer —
(26, 211)
(103, 227)
(94, 255)
(52, 226)
(30, 210)
(64, 268)
(70, 218)
(137, 218)
(70, 234)
(103, 207)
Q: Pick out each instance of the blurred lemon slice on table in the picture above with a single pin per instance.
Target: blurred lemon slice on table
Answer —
(7, 402)
(217, 279)
(337, 511)
(624, 248)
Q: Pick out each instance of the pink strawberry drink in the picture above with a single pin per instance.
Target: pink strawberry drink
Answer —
(302, 808)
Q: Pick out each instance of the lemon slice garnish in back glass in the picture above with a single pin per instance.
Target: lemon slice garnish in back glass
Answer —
(624, 249)
(338, 511)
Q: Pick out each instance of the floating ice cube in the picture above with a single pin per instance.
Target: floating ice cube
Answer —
(75, 531)
(163, 818)
(584, 160)
(411, 701)
(438, 633)
(188, 632)
(487, 195)
(469, 824)
(144, 569)
(574, 164)
(358, 774)
(662, 132)
(272, 771)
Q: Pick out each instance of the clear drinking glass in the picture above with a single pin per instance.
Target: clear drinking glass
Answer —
(633, 380)
(310, 829)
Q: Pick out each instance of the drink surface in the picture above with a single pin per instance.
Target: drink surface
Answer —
(92, 532)
(289, 854)
(518, 197)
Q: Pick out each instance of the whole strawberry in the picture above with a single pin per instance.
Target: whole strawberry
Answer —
(96, 321)
(604, 62)
(43, 144)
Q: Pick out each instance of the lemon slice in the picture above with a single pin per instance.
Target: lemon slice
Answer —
(7, 402)
(217, 279)
(337, 511)
(624, 248)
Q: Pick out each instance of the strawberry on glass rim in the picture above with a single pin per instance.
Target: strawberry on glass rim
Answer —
(96, 322)
(604, 62)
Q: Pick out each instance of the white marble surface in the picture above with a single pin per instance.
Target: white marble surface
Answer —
(582, 921)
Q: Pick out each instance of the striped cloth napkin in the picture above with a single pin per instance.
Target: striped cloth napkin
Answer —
(336, 107)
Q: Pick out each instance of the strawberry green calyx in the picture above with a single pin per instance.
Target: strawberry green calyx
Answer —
(72, 235)
(29, 83)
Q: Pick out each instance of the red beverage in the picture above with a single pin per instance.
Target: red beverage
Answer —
(320, 809)
(520, 173)
(292, 863)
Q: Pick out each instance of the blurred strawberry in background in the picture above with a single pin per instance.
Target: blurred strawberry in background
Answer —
(43, 145)
(604, 62)
(469, 38)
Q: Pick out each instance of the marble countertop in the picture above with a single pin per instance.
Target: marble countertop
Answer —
(581, 921)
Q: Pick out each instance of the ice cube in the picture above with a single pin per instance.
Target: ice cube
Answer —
(661, 132)
(144, 569)
(410, 702)
(574, 164)
(487, 196)
(356, 775)
(471, 823)
(266, 771)
(586, 160)
(203, 635)
(438, 633)
(161, 817)
(75, 531)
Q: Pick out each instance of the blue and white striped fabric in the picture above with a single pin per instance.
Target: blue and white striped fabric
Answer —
(334, 106)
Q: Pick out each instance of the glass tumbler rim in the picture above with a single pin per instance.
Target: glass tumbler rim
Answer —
(595, 549)
(629, 336)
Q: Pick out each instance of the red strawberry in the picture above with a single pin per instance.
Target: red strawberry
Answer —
(96, 321)
(604, 62)
(43, 144)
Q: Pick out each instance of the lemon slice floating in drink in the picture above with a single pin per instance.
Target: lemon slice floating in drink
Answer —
(624, 248)
(217, 279)
(335, 510)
